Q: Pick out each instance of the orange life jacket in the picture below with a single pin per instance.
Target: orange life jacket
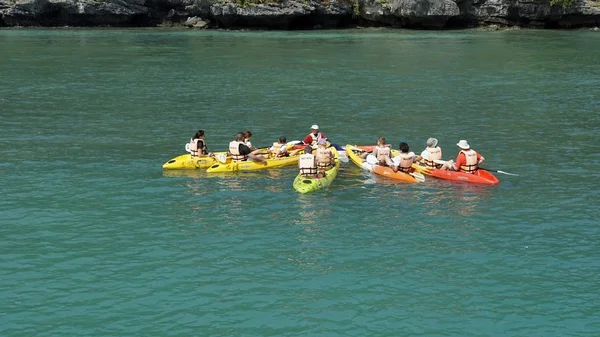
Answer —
(323, 157)
(470, 165)
(234, 149)
(435, 153)
(307, 164)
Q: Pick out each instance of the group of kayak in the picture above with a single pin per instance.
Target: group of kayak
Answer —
(319, 161)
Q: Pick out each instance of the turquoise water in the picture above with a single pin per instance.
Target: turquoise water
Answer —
(98, 240)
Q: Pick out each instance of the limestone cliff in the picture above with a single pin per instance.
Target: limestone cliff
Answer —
(301, 14)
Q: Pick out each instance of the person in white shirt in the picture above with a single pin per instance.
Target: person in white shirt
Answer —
(405, 159)
(247, 136)
(431, 156)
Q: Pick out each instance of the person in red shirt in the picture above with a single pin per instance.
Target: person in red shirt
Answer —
(467, 160)
(314, 136)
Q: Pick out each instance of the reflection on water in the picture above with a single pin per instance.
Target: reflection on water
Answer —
(442, 198)
(184, 173)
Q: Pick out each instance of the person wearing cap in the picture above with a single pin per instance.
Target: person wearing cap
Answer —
(314, 136)
(467, 160)
(307, 163)
(405, 158)
(432, 153)
(239, 151)
(324, 157)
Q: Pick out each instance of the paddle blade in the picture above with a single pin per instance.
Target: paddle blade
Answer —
(372, 160)
(420, 177)
(222, 157)
(343, 157)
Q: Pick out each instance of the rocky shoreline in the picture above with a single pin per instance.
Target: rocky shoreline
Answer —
(301, 14)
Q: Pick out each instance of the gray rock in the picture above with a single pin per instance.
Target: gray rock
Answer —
(411, 13)
(533, 13)
(287, 14)
(70, 12)
(196, 22)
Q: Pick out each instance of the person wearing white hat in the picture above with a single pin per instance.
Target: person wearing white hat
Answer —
(467, 160)
(314, 136)
(432, 153)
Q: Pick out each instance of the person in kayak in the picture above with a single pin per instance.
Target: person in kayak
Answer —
(324, 158)
(315, 135)
(405, 159)
(307, 163)
(198, 145)
(279, 149)
(241, 152)
(467, 160)
(432, 153)
(247, 136)
(382, 151)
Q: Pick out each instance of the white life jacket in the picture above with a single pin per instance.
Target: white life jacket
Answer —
(315, 138)
(234, 149)
(277, 149)
(382, 153)
(406, 161)
(470, 165)
(194, 147)
(307, 164)
(435, 153)
(323, 158)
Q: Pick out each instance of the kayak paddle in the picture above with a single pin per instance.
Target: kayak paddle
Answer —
(498, 171)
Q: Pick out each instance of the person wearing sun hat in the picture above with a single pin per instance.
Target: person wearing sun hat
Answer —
(467, 160)
(431, 153)
(314, 136)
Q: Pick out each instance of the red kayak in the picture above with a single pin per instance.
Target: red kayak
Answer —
(480, 176)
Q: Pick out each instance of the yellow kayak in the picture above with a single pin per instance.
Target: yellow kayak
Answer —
(304, 184)
(186, 162)
(249, 165)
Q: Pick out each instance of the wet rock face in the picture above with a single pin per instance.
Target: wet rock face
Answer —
(72, 13)
(300, 14)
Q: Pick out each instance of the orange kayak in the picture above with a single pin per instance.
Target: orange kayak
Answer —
(353, 153)
(480, 176)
